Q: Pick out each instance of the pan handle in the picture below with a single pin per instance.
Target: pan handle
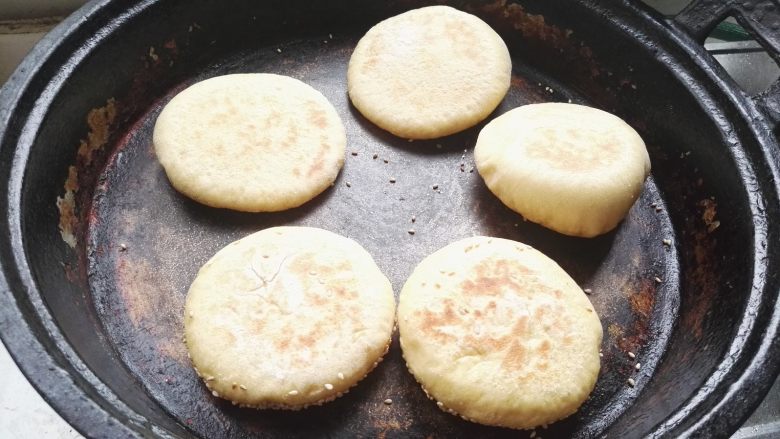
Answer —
(760, 18)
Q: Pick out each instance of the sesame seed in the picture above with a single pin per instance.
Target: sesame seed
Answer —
(631, 355)
(348, 184)
(375, 156)
(243, 387)
(340, 375)
(601, 354)
(388, 401)
(631, 382)
(392, 180)
(440, 404)
(210, 378)
(658, 209)
(329, 386)
(292, 392)
(354, 153)
(330, 36)
(278, 50)
(587, 290)
(410, 231)
(667, 242)
(435, 186)
(533, 434)
(638, 366)
(658, 280)
(215, 393)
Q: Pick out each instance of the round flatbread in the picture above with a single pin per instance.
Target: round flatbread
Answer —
(288, 317)
(251, 142)
(574, 169)
(429, 72)
(498, 333)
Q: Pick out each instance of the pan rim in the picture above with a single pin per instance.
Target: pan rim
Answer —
(37, 345)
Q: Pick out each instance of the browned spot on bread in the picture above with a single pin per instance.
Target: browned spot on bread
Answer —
(544, 348)
(227, 336)
(493, 277)
(273, 119)
(433, 321)
(316, 115)
(318, 163)
(283, 344)
(515, 357)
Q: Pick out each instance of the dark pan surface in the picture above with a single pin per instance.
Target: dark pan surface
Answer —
(146, 243)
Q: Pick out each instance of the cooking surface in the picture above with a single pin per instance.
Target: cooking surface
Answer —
(146, 243)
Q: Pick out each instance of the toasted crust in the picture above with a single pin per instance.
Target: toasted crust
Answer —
(574, 169)
(288, 317)
(499, 334)
(251, 142)
(429, 72)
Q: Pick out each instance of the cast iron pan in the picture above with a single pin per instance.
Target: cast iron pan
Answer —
(98, 250)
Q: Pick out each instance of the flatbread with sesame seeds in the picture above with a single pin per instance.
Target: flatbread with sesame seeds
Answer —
(252, 142)
(574, 169)
(288, 317)
(499, 334)
(429, 72)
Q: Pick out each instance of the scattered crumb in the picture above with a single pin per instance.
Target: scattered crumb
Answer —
(375, 156)
(388, 401)
(385, 160)
(348, 184)
(587, 291)
(414, 218)
(392, 180)
(667, 242)
(122, 247)
(354, 153)
(435, 186)
(411, 231)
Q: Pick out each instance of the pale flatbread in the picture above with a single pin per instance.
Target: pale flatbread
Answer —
(288, 317)
(574, 169)
(251, 142)
(498, 333)
(429, 72)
